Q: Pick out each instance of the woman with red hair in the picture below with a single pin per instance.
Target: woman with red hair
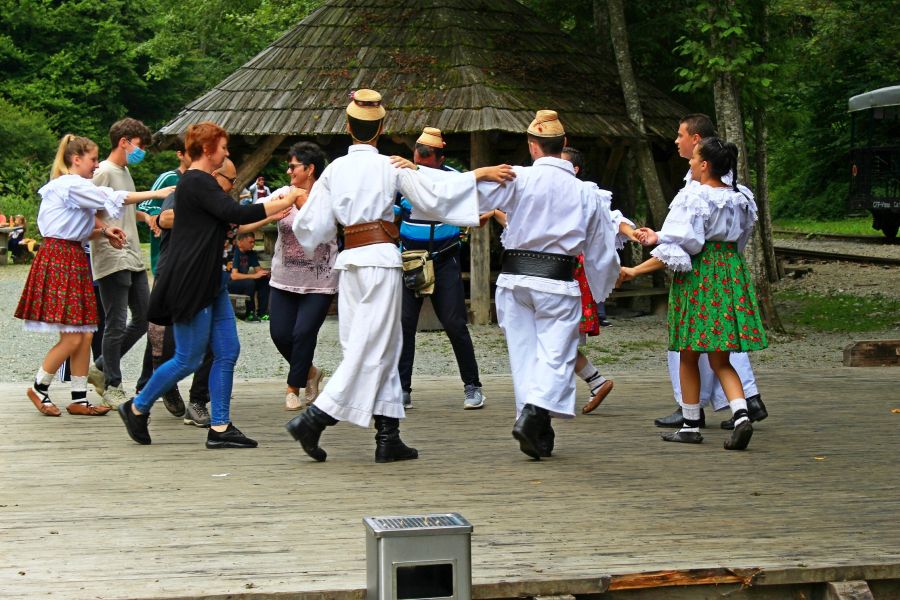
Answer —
(191, 290)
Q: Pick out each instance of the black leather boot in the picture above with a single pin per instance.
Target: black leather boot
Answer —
(388, 445)
(531, 425)
(755, 409)
(547, 440)
(307, 427)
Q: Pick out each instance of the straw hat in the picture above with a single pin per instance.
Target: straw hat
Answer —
(546, 124)
(431, 136)
(365, 105)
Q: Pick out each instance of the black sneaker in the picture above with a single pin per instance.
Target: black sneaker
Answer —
(136, 425)
(230, 438)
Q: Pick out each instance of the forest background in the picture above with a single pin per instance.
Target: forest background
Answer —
(79, 65)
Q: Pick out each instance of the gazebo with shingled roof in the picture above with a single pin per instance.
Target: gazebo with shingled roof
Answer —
(477, 70)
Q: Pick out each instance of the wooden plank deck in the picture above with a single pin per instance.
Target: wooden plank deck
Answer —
(86, 513)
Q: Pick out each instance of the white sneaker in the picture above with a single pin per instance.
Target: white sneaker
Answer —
(292, 401)
(114, 396)
(97, 379)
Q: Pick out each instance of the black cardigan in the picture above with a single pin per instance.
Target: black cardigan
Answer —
(191, 277)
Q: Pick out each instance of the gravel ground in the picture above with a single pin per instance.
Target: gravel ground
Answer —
(634, 343)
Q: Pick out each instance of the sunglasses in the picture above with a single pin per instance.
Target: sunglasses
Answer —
(230, 180)
(292, 166)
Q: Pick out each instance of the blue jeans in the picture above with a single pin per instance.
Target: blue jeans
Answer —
(215, 327)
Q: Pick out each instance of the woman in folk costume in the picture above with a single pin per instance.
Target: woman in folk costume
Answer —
(712, 302)
(358, 191)
(59, 292)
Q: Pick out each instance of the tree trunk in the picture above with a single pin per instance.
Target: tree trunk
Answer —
(761, 133)
(619, 36)
(480, 244)
(253, 163)
(601, 27)
(733, 126)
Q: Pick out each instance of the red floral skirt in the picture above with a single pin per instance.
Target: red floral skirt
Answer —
(712, 307)
(589, 324)
(59, 290)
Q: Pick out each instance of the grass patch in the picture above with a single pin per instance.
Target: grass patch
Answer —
(848, 226)
(837, 312)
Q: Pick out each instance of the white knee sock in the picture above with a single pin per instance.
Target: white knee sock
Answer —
(79, 389)
(691, 413)
(591, 376)
(739, 410)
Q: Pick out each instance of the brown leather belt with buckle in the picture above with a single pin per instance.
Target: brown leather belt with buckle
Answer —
(539, 264)
(373, 232)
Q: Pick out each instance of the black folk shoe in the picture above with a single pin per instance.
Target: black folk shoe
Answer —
(676, 419)
(531, 425)
(755, 408)
(388, 445)
(307, 428)
(683, 437)
(740, 437)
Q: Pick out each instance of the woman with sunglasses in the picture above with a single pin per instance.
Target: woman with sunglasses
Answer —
(302, 287)
(191, 290)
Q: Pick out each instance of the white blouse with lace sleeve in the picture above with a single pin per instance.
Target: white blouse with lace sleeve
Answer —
(69, 203)
(702, 213)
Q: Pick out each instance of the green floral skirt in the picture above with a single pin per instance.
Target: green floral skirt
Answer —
(713, 306)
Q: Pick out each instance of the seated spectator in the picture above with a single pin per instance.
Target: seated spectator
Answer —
(249, 279)
(3, 222)
(22, 248)
(258, 191)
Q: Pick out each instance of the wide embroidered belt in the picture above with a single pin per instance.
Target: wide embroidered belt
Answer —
(539, 264)
(373, 232)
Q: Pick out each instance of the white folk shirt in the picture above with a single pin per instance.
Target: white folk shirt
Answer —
(700, 213)
(360, 187)
(68, 206)
(549, 210)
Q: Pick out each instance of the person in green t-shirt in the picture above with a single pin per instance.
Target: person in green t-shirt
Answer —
(154, 207)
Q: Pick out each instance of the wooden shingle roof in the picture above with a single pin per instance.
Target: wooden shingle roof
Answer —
(459, 65)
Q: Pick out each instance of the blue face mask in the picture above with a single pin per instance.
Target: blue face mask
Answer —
(135, 156)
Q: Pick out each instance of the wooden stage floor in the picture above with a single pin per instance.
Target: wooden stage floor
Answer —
(86, 513)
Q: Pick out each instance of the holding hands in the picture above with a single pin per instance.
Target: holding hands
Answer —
(646, 236)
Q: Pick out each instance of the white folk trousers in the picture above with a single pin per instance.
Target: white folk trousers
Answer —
(710, 389)
(367, 382)
(541, 331)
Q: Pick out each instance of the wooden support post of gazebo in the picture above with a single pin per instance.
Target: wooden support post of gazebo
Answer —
(254, 162)
(480, 243)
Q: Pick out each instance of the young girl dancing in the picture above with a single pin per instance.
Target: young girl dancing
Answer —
(712, 302)
(59, 293)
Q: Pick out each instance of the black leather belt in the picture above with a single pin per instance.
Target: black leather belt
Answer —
(539, 264)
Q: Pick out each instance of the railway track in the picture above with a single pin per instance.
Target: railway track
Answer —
(838, 237)
(785, 252)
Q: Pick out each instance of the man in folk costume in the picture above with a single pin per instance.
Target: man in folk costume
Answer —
(552, 217)
(358, 191)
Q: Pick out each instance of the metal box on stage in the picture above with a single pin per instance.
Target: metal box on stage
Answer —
(419, 557)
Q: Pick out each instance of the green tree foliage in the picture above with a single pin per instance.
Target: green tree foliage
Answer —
(829, 51)
(28, 149)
